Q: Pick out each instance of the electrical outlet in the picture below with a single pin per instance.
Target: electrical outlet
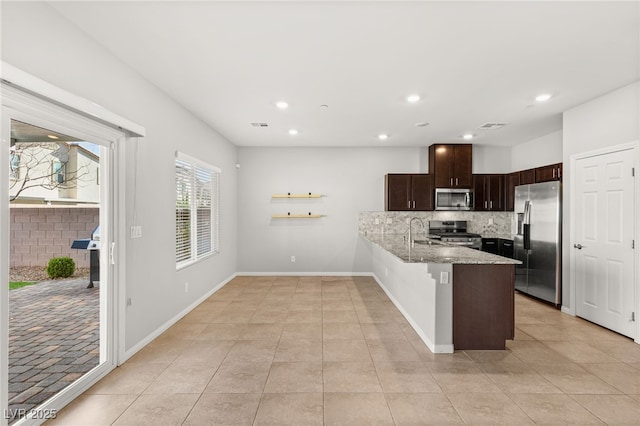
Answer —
(490, 221)
(129, 301)
(444, 278)
(186, 287)
(293, 259)
(389, 221)
(377, 221)
(136, 232)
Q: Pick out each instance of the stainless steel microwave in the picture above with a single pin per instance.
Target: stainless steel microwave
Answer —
(454, 199)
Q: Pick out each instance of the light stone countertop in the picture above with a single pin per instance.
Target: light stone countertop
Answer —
(436, 252)
(502, 236)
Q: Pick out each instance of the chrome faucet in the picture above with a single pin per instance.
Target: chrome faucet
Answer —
(411, 241)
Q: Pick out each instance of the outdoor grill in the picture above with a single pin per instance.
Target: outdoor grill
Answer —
(93, 245)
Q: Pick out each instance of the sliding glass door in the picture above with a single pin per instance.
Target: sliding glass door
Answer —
(59, 292)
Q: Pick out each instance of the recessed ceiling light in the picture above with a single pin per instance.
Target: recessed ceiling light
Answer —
(383, 136)
(52, 136)
(413, 98)
(543, 97)
(467, 136)
(293, 132)
(282, 105)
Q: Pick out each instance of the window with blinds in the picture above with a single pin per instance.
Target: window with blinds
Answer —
(197, 210)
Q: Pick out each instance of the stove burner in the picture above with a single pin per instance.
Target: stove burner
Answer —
(454, 232)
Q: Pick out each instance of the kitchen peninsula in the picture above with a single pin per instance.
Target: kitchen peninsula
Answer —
(454, 297)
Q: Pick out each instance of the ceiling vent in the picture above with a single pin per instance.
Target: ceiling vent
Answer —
(259, 125)
(492, 126)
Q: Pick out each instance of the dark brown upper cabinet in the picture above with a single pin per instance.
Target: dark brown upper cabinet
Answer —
(524, 177)
(451, 165)
(406, 192)
(549, 173)
(527, 176)
(511, 181)
(488, 192)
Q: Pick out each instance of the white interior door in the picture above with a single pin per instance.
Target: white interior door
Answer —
(604, 215)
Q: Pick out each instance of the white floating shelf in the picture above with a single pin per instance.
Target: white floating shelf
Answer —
(290, 195)
(296, 216)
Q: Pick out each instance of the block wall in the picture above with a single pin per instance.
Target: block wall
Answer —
(39, 233)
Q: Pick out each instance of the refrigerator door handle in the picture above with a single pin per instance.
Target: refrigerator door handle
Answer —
(526, 236)
(526, 227)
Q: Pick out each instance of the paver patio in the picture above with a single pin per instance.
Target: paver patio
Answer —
(53, 339)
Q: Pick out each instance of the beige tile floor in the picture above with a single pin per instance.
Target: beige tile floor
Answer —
(334, 350)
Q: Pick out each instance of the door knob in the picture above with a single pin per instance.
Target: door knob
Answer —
(578, 246)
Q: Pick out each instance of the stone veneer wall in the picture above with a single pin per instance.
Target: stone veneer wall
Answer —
(487, 224)
(39, 233)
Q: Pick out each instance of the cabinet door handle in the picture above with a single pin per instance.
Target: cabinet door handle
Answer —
(451, 181)
(456, 181)
(559, 170)
(414, 204)
(485, 204)
(553, 173)
(490, 204)
(408, 204)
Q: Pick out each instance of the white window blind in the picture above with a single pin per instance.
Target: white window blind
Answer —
(197, 210)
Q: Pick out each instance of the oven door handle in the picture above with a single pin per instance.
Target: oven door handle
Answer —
(461, 243)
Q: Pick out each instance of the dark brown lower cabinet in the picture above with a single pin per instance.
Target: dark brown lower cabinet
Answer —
(483, 309)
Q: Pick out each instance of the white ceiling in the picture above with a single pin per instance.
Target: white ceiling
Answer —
(471, 62)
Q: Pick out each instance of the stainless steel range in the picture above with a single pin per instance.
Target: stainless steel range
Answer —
(454, 232)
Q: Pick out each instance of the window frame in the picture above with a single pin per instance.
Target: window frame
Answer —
(14, 166)
(193, 189)
(58, 175)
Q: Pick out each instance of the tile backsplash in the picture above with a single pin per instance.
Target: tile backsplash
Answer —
(487, 224)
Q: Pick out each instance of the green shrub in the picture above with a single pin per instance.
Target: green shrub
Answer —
(61, 267)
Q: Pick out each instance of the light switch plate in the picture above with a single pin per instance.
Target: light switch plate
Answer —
(444, 278)
(136, 232)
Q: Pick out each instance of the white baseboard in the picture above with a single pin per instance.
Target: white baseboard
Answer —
(164, 327)
(436, 349)
(305, 274)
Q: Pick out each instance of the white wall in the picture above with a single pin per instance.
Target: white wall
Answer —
(416, 290)
(609, 120)
(537, 152)
(350, 179)
(39, 41)
(491, 159)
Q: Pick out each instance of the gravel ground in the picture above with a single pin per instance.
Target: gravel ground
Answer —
(38, 273)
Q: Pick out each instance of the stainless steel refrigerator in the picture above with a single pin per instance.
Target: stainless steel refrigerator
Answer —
(538, 240)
